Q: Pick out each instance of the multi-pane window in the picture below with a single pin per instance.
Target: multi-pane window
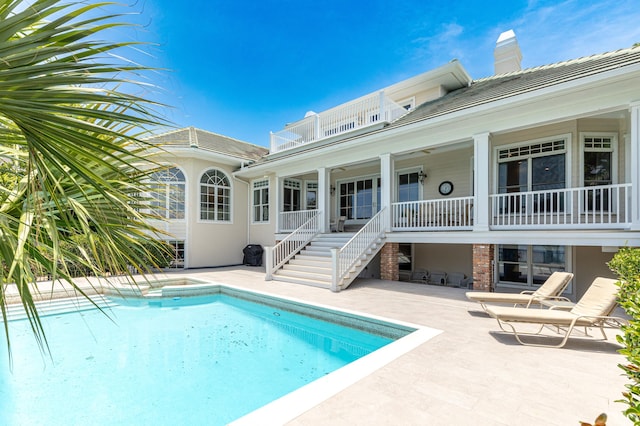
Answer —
(359, 198)
(261, 200)
(311, 195)
(178, 254)
(598, 169)
(215, 196)
(529, 266)
(291, 195)
(537, 166)
(409, 186)
(166, 193)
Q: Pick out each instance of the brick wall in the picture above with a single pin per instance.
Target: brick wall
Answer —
(483, 256)
(389, 262)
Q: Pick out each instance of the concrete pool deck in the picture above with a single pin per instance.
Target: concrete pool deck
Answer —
(471, 373)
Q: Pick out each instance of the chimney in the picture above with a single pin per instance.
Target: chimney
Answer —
(507, 55)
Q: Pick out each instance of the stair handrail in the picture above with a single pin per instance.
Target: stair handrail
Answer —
(280, 253)
(349, 254)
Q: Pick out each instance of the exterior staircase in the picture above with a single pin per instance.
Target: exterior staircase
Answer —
(312, 265)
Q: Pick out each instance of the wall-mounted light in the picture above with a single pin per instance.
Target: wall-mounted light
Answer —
(422, 176)
(332, 189)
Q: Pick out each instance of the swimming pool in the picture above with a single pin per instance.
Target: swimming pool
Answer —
(181, 360)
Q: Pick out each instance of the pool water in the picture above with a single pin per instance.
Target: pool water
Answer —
(198, 360)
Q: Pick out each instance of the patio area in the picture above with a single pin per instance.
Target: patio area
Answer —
(471, 373)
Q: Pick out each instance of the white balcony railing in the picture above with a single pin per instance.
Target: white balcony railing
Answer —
(358, 114)
(595, 207)
(290, 221)
(449, 214)
(280, 254)
(345, 258)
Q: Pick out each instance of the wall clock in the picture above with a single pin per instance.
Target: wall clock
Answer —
(445, 188)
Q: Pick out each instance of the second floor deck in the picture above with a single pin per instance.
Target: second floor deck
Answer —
(604, 207)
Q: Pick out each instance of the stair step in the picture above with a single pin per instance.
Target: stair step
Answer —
(58, 306)
(313, 261)
(314, 283)
(325, 277)
(312, 253)
(323, 269)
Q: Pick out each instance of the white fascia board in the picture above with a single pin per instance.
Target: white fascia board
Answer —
(201, 154)
(546, 237)
(451, 76)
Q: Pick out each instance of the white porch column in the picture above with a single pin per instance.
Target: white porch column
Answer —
(277, 200)
(481, 166)
(635, 165)
(324, 202)
(387, 181)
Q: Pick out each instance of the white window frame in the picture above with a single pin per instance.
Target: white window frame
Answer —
(529, 263)
(178, 262)
(613, 150)
(407, 171)
(410, 102)
(310, 186)
(216, 206)
(375, 202)
(168, 190)
(566, 151)
(294, 185)
(260, 185)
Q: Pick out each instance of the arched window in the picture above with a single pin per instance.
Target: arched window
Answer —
(215, 196)
(167, 193)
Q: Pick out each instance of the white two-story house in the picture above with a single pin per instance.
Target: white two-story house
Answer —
(441, 178)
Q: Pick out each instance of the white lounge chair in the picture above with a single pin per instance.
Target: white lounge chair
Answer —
(550, 289)
(592, 310)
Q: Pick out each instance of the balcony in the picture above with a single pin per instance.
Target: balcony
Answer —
(592, 207)
(350, 117)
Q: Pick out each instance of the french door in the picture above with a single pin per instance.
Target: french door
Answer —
(358, 199)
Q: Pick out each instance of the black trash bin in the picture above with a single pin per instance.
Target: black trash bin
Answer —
(252, 255)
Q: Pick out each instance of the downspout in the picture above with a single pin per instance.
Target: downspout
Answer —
(248, 209)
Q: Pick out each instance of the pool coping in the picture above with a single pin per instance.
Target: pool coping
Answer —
(297, 402)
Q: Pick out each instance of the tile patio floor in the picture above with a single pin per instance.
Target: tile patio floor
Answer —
(470, 374)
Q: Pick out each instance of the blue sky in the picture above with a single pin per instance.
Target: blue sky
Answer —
(244, 68)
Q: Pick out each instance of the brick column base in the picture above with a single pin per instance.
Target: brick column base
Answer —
(389, 269)
(483, 256)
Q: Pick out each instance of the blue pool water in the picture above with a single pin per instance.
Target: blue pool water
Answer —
(201, 360)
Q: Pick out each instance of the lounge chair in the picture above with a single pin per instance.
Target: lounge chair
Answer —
(592, 310)
(550, 289)
(420, 276)
(438, 278)
(458, 279)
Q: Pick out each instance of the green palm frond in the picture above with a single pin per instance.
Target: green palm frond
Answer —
(72, 155)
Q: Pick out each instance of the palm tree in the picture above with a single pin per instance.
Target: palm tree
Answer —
(72, 161)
